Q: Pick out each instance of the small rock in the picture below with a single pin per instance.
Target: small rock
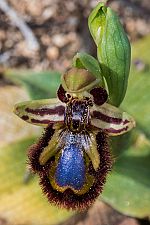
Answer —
(52, 53)
(59, 40)
(35, 8)
(142, 27)
(49, 12)
(23, 50)
(73, 21)
(70, 6)
(130, 25)
(2, 35)
(46, 40)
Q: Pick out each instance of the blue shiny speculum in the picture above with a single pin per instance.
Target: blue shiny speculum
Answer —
(70, 170)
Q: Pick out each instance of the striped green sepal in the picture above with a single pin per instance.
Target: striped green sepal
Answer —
(111, 119)
(41, 112)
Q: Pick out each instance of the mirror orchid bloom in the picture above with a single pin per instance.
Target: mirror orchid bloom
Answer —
(73, 158)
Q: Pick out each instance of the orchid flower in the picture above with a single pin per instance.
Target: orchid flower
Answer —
(73, 158)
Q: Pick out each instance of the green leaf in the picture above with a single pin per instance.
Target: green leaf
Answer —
(86, 61)
(40, 85)
(137, 101)
(128, 186)
(23, 203)
(113, 50)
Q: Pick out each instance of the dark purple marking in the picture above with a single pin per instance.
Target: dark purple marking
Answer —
(100, 95)
(111, 130)
(125, 122)
(59, 110)
(44, 121)
(105, 118)
(25, 117)
(41, 121)
(61, 93)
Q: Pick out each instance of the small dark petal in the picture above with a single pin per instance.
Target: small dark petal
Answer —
(100, 95)
(36, 149)
(61, 94)
(68, 199)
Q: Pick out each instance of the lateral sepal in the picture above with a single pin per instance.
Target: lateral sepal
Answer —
(41, 112)
(111, 119)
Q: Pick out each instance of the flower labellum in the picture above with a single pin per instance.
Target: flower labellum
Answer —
(72, 158)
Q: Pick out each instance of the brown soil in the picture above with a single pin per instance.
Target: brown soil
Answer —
(61, 30)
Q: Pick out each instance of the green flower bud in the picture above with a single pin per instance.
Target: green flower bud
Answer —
(113, 50)
(78, 80)
(88, 62)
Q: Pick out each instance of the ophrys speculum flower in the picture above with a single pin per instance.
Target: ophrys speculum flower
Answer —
(72, 158)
